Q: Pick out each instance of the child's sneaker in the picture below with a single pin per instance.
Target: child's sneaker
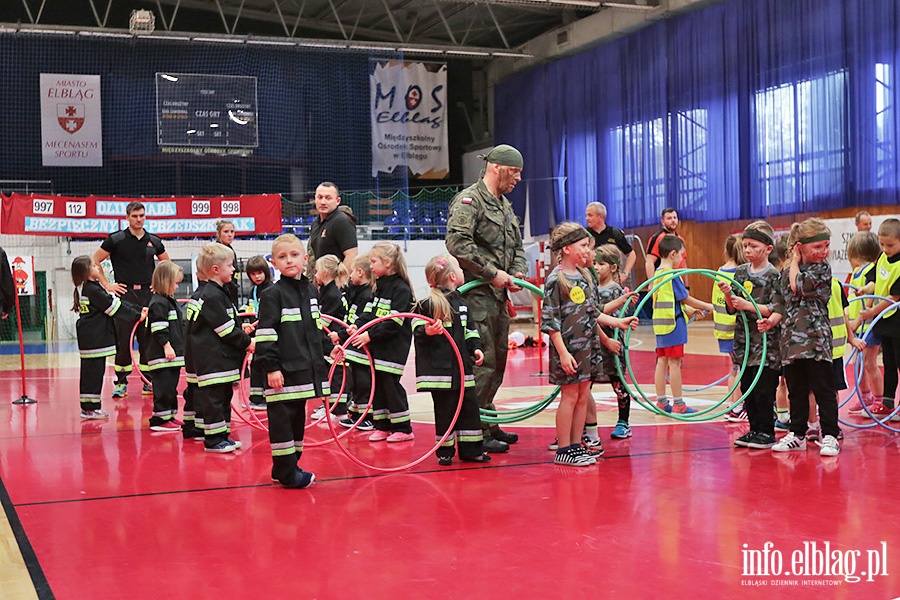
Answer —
(857, 407)
(120, 390)
(621, 431)
(89, 415)
(399, 436)
(664, 406)
(305, 479)
(445, 461)
(590, 442)
(683, 409)
(554, 445)
(257, 406)
(761, 441)
(223, 447)
(782, 425)
(812, 434)
(594, 453)
(167, 426)
(379, 436)
(829, 446)
(790, 442)
(147, 390)
(737, 416)
(572, 456)
(744, 440)
(318, 413)
(880, 411)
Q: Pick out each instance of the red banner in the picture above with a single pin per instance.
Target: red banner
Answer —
(98, 216)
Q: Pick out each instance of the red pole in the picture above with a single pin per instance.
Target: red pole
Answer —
(24, 399)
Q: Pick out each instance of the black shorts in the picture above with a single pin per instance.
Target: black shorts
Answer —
(840, 375)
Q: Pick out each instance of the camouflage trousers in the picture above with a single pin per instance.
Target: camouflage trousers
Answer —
(492, 321)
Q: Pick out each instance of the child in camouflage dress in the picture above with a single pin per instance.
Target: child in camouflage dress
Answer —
(569, 316)
(806, 342)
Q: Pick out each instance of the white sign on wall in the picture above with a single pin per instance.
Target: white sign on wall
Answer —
(71, 132)
(841, 232)
(409, 119)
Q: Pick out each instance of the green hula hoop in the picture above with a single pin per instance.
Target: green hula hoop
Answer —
(520, 414)
(702, 415)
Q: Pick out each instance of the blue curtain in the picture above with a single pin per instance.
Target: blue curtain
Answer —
(745, 109)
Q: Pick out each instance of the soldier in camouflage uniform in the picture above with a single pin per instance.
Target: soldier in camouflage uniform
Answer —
(483, 234)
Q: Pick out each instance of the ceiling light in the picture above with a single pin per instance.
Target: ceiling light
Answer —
(421, 50)
(626, 6)
(511, 55)
(221, 40)
(271, 43)
(467, 53)
(584, 3)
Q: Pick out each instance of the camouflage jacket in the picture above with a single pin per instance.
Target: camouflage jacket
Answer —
(806, 330)
(765, 287)
(483, 234)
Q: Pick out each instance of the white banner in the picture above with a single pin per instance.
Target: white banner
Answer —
(841, 232)
(409, 119)
(23, 274)
(71, 134)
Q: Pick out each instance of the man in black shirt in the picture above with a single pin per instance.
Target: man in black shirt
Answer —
(595, 213)
(132, 252)
(333, 232)
(7, 285)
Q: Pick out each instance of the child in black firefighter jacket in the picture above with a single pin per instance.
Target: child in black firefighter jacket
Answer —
(219, 346)
(388, 341)
(165, 351)
(96, 331)
(437, 366)
(290, 337)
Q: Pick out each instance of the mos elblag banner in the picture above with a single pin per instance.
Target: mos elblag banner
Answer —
(409, 118)
(71, 132)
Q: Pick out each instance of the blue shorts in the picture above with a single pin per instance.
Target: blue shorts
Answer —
(726, 346)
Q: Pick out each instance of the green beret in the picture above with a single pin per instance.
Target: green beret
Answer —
(504, 155)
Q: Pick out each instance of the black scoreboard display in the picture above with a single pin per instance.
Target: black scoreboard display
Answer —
(209, 114)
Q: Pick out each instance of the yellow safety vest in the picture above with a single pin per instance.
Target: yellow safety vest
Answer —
(724, 323)
(664, 308)
(836, 319)
(858, 280)
(885, 277)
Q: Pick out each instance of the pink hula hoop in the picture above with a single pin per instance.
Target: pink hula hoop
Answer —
(462, 391)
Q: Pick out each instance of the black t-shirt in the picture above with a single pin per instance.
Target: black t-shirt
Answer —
(335, 235)
(612, 235)
(133, 258)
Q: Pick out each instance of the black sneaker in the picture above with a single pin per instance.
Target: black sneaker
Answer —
(494, 446)
(572, 455)
(761, 441)
(744, 440)
(445, 461)
(305, 479)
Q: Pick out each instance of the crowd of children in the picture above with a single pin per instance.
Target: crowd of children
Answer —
(804, 312)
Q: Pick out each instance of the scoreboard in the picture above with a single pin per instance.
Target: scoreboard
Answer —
(206, 113)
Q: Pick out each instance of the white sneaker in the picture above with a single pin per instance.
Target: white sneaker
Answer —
(790, 442)
(318, 413)
(830, 446)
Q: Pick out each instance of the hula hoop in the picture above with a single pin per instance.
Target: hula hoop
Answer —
(440, 442)
(325, 402)
(854, 353)
(701, 415)
(882, 422)
(702, 387)
(494, 416)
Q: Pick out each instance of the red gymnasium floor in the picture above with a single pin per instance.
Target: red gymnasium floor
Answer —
(109, 510)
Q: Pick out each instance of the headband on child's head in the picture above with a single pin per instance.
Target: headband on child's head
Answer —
(568, 239)
(759, 236)
(819, 237)
(603, 257)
